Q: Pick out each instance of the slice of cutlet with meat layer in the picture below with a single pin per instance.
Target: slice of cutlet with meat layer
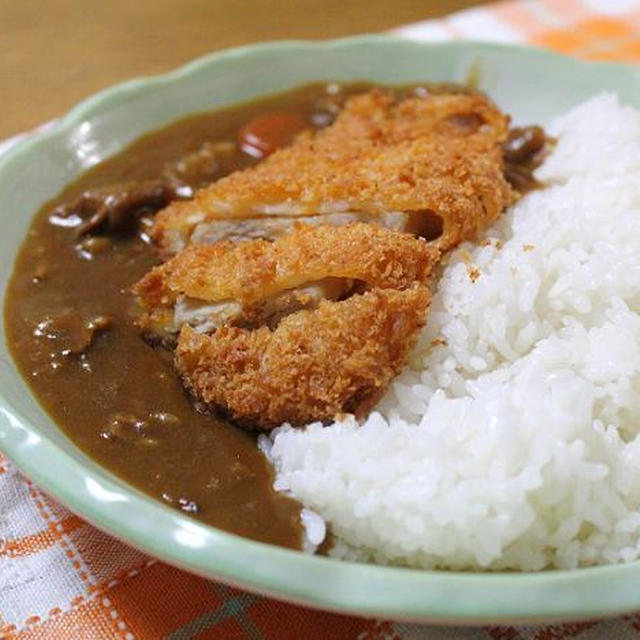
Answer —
(434, 162)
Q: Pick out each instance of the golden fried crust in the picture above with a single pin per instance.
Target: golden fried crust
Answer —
(314, 365)
(256, 270)
(439, 154)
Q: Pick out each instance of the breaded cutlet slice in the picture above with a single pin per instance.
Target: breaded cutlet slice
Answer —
(437, 155)
(249, 274)
(313, 366)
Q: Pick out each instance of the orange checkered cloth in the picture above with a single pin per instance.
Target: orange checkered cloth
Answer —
(62, 578)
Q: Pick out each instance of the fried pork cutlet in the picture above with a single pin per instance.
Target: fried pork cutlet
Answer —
(257, 281)
(435, 160)
(314, 365)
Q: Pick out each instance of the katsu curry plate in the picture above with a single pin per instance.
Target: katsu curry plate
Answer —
(361, 333)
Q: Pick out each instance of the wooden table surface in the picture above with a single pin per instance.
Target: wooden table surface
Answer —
(52, 54)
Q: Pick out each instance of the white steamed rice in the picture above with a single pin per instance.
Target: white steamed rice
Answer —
(517, 443)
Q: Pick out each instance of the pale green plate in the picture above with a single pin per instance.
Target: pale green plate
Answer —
(532, 85)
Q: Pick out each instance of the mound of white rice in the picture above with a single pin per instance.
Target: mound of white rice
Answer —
(512, 440)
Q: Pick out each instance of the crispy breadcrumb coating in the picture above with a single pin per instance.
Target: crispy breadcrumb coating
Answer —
(314, 365)
(252, 272)
(430, 166)
(439, 155)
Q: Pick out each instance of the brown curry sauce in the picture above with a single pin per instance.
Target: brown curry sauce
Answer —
(119, 399)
